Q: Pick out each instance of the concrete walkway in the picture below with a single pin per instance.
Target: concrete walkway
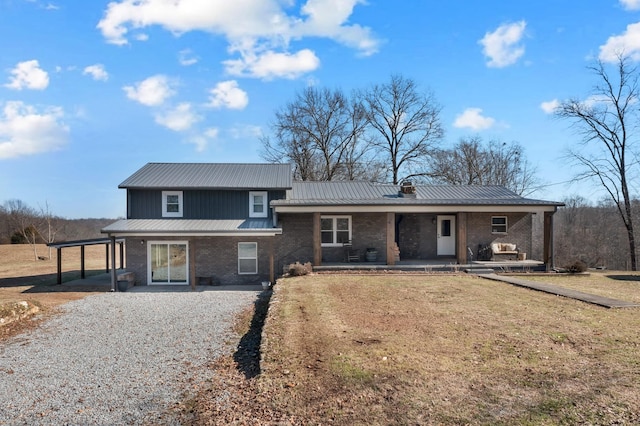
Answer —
(561, 291)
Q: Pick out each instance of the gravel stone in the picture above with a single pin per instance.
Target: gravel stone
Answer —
(116, 358)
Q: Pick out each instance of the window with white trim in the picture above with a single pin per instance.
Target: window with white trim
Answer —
(247, 258)
(498, 224)
(258, 204)
(335, 230)
(172, 204)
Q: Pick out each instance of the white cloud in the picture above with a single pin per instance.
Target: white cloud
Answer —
(227, 94)
(326, 19)
(630, 4)
(246, 131)
(202, 141)
(186, 58)
(97, 72)
(25, 131)
(628, 43)
(550, 106)
(152, 91)
(28, 74)
(269, 65)
(502, 47)
(179, 118)
(263, 27)
(472, 118)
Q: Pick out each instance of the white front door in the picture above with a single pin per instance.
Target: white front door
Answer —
(446, 235)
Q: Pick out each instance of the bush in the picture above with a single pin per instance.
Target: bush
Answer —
(577, 267)
(298, 269)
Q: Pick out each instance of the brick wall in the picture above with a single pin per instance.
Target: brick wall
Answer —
(417, 236)
(519, 231)
(215, 257)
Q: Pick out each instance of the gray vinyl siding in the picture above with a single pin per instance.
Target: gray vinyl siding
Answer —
(198, 204)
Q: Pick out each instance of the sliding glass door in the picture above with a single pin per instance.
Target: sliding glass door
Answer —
(168, 262)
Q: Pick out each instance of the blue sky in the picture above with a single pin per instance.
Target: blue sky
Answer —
(91, 91)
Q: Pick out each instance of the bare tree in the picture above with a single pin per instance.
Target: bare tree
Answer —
(319, 131)
(607, 122)
(49, 225)
(471, 162)
(405, 126)
(24, 221)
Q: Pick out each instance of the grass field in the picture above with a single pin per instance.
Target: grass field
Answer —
(344, 349)
(18, 264)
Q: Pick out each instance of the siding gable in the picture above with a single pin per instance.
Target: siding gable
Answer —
(198, 204)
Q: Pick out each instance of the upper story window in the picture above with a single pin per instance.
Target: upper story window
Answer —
(258, 204)
(335, 230)
(498, 224)
(172, 204)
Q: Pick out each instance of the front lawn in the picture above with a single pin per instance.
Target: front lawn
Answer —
(434, 349)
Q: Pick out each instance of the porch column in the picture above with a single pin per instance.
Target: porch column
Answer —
(548, 255)
(461, 238)
(317, 241)
(391, 238)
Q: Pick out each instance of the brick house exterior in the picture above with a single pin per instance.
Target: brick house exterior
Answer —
(241, 223)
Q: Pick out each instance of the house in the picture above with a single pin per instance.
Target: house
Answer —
(240, 223)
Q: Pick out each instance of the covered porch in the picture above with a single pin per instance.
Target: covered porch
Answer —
(436, 239)
(437, 265)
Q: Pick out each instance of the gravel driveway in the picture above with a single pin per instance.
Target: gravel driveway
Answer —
(116, 358)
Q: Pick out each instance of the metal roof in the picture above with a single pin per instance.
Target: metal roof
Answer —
(368, 193)
(210, 176)
(191, 226)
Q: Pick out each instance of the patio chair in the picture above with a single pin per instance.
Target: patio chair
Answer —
(350, 254)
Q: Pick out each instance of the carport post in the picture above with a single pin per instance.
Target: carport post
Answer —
(106, 253)
(113, 263)
(121, 244)
(82, 261)
(59, 277)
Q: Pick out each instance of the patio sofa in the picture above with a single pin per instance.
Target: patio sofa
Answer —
(504, 249)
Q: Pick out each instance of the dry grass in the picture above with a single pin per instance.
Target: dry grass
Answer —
(614, 284)
(24, 279)
(18, 267)
(345, 349)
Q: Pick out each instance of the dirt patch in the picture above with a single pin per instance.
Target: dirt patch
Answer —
(380, 350)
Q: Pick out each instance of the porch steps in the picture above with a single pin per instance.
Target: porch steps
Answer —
(480, 271)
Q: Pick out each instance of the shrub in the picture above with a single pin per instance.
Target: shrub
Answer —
(297, 269)
(577, 267)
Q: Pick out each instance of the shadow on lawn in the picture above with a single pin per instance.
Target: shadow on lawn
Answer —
(47, 280)
(624, 277)
(247, 354)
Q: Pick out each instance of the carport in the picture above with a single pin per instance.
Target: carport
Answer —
(82, 243)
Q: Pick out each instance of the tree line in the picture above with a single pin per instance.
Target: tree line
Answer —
(23, 224)
(389, 132)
